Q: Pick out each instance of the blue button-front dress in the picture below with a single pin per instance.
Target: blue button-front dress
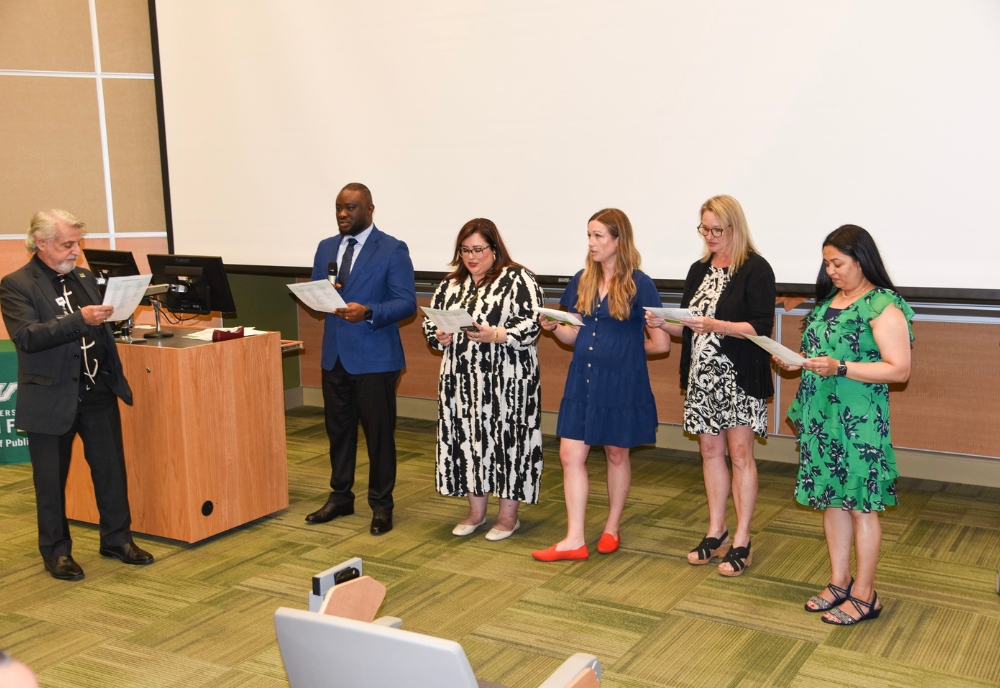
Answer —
(608, 399)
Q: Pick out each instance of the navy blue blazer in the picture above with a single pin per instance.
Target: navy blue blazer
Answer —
(381, 277)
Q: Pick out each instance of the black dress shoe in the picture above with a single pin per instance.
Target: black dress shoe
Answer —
(381, 523)
(63, 568)
(129, 553)
(330, 511)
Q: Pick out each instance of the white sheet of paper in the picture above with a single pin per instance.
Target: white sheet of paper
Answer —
(778, 350)
(451, 320)
(319, 295)
(125, 293)
(672, 315)
(561, 316)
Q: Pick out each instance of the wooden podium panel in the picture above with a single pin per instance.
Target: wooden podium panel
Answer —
(206, 433)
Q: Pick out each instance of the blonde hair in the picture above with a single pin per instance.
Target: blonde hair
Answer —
(45, 224)
(622, 290)
(729, 212)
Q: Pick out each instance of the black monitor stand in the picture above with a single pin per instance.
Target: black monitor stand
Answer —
(157, 333)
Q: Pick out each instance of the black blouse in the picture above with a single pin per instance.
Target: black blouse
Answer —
(749, 297)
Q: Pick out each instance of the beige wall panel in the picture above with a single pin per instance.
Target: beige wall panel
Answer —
(950, 403)
(12, 257)
(134, 153)
(47, 35)
(311, 334)
(51, 146)
(665, 378)
(423, 364)
(123, 32)
(140, 248)
(553, 364)
(939, 409)
(791, 336)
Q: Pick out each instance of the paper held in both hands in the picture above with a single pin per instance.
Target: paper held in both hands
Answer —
(561, 317)
(449, 320)
(125, 293)
(779, 351)
(319, 295)
(671, 315)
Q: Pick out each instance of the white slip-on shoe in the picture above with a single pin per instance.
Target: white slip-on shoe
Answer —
(495, 534)
(462, 530)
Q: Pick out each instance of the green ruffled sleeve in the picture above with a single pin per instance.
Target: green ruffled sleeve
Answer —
(877, 301)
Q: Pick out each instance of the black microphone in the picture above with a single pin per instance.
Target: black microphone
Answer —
(331, 272)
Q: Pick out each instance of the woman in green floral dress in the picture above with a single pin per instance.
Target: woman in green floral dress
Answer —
(856, 342)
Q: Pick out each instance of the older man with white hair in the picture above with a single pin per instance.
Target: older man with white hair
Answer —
(69, 380)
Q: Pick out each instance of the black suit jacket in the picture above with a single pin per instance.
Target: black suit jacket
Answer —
(48, 349)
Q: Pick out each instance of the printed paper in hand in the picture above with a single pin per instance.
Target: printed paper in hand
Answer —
(449, 320)
(671, 315)
(319, 295)
(125, 293)
(560, 316)
(779, 351)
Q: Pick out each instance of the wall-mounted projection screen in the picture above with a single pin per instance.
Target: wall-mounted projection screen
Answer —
(537, 113)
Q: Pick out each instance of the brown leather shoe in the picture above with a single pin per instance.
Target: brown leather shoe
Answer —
(63, 568)
(330, 511)
(129, 553)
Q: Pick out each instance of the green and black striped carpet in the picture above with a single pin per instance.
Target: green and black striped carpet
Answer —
(202, 614)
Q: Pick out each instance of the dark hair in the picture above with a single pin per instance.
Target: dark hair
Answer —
(488, 230)
(857, 243)
(356, 186)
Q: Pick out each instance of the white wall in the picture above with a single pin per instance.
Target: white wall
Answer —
(538, 113)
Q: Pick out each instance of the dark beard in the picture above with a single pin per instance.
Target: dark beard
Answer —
(354, 230)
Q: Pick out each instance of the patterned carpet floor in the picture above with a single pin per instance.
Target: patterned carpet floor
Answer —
(202, 614)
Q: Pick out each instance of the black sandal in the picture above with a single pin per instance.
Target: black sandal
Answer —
(709, 548)
(845, 619)
(839, 596)
(738, 558)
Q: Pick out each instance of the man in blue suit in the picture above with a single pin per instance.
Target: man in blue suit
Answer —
(362, 353)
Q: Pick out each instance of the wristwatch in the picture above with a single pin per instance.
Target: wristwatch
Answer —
(368, 313)
(842, 369)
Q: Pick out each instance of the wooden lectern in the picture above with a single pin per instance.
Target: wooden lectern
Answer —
(204, 438)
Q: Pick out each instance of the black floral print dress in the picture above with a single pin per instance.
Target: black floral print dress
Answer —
(714, 400)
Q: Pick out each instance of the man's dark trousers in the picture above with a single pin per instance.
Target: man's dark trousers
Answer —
(98, 422)
(370, 397)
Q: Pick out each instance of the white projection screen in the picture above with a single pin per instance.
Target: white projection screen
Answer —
(537, 113)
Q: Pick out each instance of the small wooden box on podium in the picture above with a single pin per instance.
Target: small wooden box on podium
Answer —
(204, 438)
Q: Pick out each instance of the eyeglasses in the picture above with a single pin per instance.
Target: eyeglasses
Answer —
(716, 231)
(475, 249)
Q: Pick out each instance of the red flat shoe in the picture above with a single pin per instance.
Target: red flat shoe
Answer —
(552, 554)
(609, 543)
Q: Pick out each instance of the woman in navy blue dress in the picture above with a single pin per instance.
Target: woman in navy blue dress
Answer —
(608, 400)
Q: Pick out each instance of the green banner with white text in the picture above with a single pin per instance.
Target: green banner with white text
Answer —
(13, 444)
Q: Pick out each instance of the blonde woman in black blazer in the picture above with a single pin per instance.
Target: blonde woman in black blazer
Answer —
(727, 379)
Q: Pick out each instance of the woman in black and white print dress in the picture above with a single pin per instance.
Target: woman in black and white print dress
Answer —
(730, 292)
(489, 404)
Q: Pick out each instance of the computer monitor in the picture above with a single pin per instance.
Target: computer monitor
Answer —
(104, 263)
(198, 284)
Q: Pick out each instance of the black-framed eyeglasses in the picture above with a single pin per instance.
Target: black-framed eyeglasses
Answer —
(475, 249)
(716, 231)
